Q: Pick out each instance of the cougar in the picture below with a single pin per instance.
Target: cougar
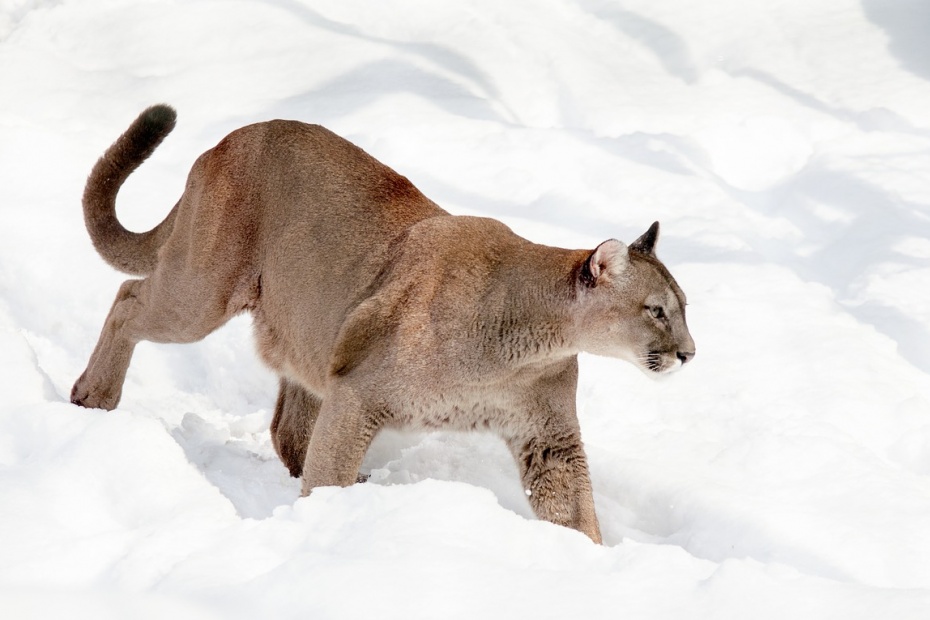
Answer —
(374, 306)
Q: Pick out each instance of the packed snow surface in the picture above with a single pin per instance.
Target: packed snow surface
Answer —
(785, 148)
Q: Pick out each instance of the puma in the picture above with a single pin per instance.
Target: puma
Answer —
(375, 307)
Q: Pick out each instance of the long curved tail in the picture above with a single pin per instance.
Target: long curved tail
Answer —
(130, 252)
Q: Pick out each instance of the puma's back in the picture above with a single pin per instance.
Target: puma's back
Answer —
(313, 218)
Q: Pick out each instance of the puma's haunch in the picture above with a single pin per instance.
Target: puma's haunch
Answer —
(374, 306)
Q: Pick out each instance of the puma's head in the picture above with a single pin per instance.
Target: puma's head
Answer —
(632, 308)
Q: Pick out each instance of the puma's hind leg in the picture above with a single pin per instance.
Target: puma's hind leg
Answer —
(101, 384)
(295, 414)
(179, 309)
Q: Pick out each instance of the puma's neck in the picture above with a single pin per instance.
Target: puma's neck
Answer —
(536, 319)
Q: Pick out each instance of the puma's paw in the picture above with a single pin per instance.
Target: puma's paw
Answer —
(93, 397)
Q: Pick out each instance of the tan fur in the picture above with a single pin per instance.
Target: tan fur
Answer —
(376, 307)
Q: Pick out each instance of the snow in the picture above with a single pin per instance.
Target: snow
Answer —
(784, 146)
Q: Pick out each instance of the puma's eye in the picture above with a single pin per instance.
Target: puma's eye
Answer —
(657, 312)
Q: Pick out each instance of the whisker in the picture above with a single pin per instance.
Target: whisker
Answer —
(652, 360)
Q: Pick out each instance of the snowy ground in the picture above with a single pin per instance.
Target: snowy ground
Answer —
(785, 147)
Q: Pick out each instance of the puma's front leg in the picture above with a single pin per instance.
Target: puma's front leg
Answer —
(546, 443)
(554, 472)
(343, 432)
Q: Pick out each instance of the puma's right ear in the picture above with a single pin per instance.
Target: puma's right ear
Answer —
(646, 244)
(609, 257)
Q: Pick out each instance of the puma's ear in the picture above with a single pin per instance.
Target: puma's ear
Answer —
(647, 243)
(610, 257)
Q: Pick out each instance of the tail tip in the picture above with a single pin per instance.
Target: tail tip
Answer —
(160, 117)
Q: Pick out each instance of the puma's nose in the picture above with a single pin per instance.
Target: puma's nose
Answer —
(685, 356)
